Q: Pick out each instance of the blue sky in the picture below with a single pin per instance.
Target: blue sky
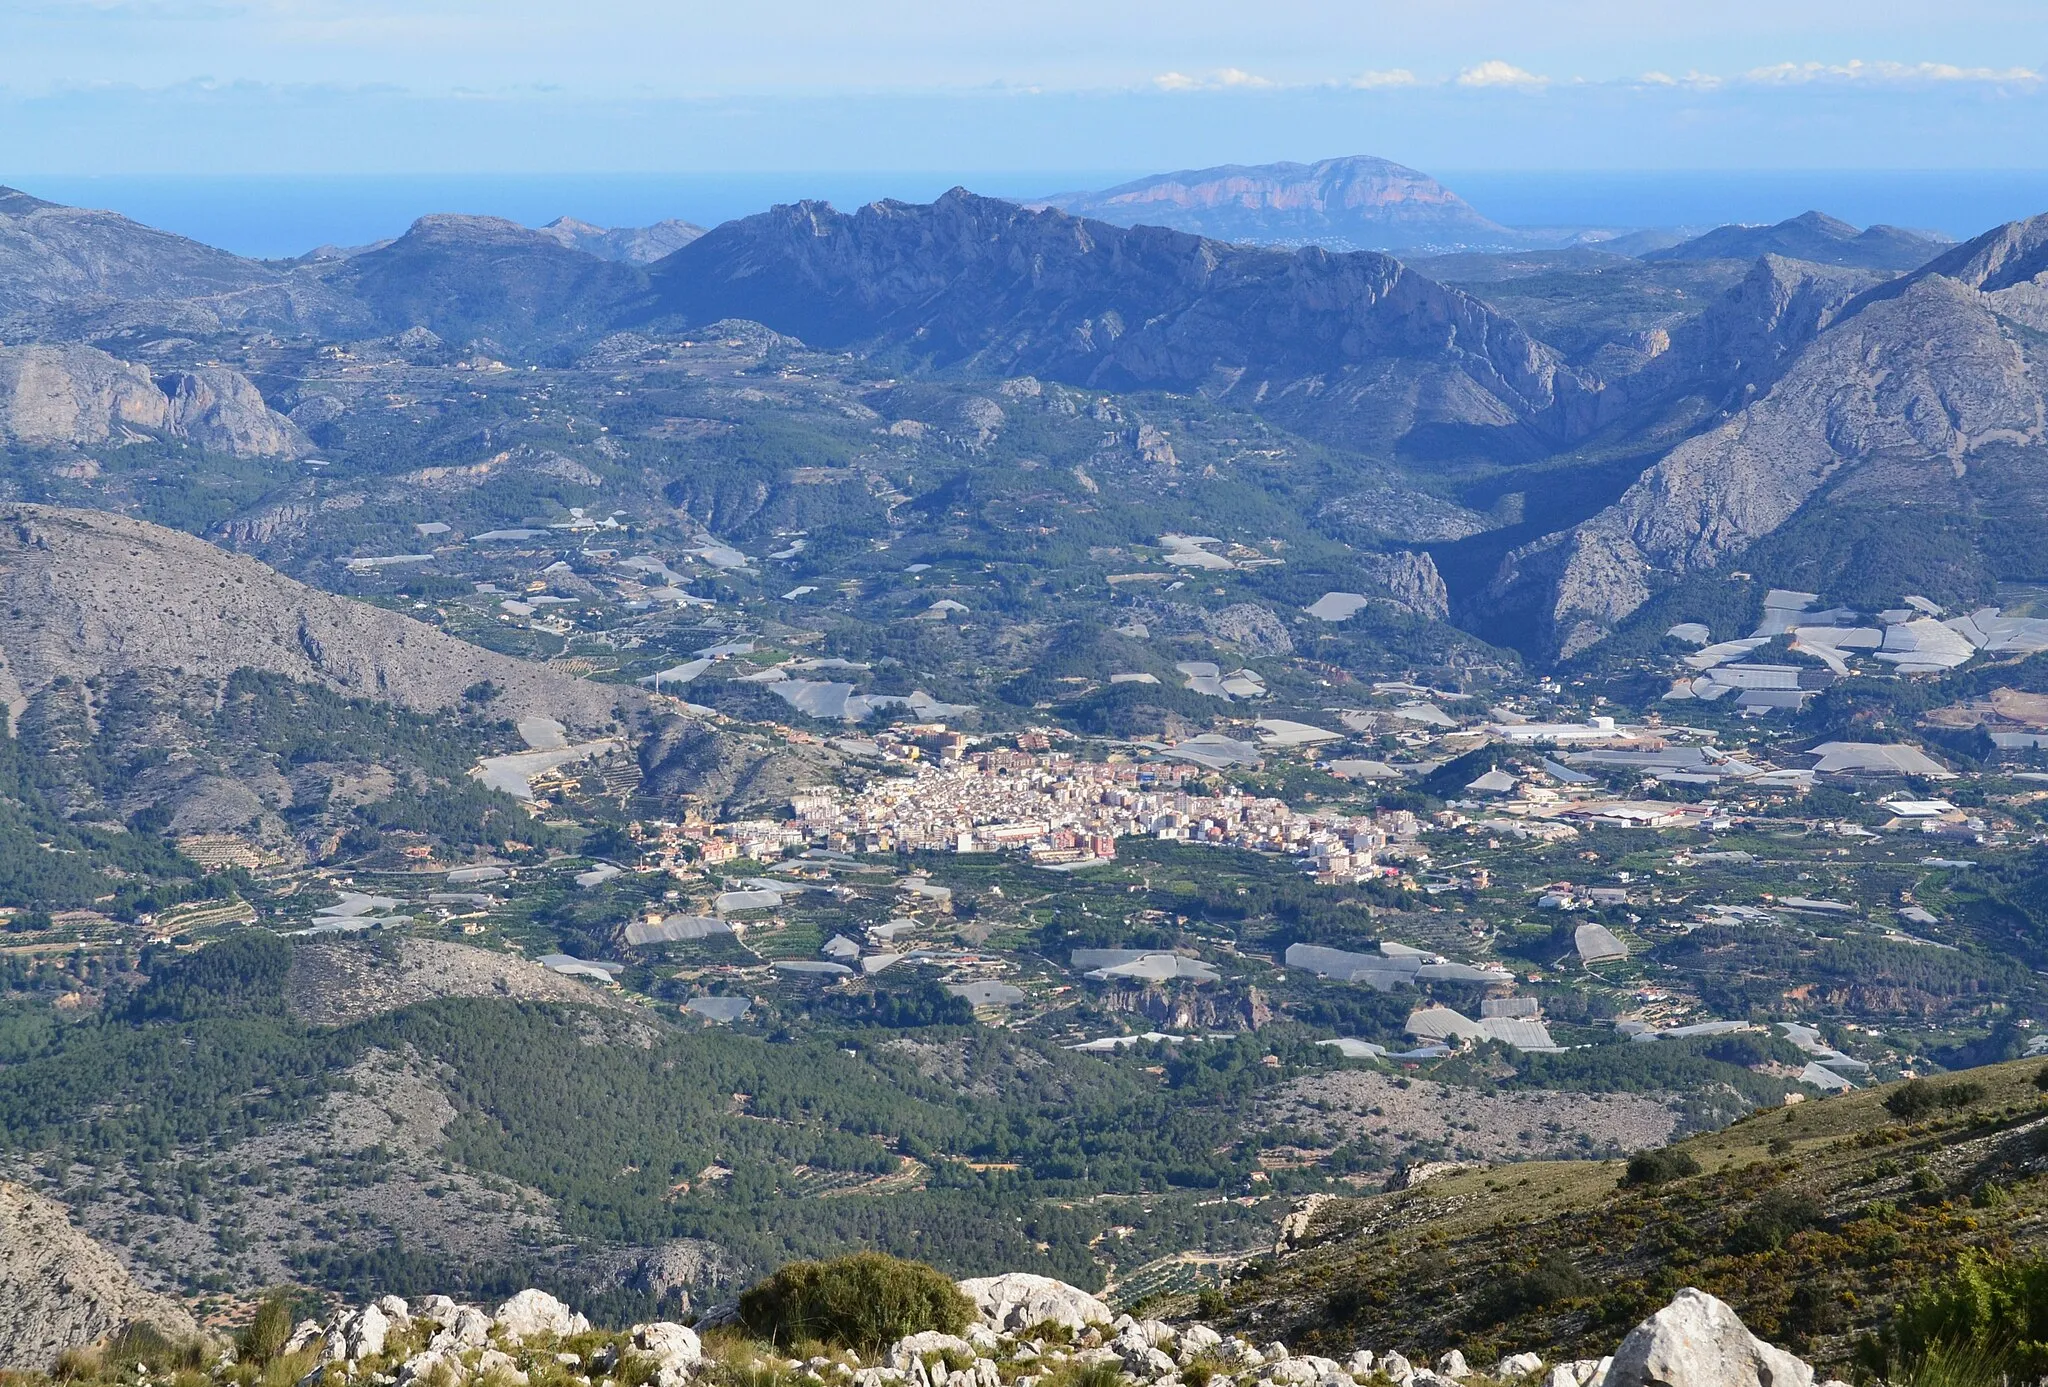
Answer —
(380, 86)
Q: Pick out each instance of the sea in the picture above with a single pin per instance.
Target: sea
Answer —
(276, 216)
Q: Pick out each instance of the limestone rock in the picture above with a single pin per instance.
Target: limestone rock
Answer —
(909, 1350)
(1452, 1365)
(1516, 1366)
(1249, 627)
(430, 1363)
(1019, 1300)
(670, 1345)
(356, 1335)
(221, 411)
(73, 395)
(535, 1314)
(468, 1327)
(59, 1289)
(494, 1363)
(1699, 1341)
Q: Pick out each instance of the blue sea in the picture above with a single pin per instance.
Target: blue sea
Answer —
(284, 215)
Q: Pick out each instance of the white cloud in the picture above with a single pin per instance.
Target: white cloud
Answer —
(1856, 70)
(1394, 77)
(1692, 81)
(1495, 73)
(1223, 79)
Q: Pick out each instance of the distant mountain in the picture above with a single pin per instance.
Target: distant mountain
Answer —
(634, 245)
(1905, 443)
(1811, 236)
(486, 278)
(55, 255)
(1352, 345)
(1355, 203)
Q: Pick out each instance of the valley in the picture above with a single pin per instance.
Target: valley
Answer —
(610, 760)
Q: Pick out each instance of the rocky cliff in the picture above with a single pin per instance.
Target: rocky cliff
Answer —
(73, 396)
(1352, 346)
(1355, 203)
(86, 594)
(61, 1290)
(1924, 376)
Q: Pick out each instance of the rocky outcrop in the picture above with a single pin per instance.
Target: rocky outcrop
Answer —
(221, 411)
(1411, 578)
(79, 396)
(86, 594)
(1249, 627)
(1018, 1300)
(66, 396)
(1352, 346)
(61, 1290)
(1354, 203)
(1698, 1341)
(535, 1314)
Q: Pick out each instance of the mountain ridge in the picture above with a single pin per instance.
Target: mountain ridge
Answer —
(1349, 342)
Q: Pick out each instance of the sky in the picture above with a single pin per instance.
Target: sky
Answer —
(187, 87)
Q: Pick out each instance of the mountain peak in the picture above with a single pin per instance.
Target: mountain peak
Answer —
(1357, 202)
(1813, 236)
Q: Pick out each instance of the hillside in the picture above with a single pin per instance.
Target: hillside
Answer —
(1813, 236)
(59, 1289)
(1919, 390)
(1354, 203)
(1811, 1221)
(85, 596)
(1355, 346)
(52, 254)
(465, 277)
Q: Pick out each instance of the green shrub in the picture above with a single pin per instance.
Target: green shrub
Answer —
(1659, 1167)
(1774, 1218)
(862, 1302)
(1986, 1322)
(265, 1335)
(1919, 1098)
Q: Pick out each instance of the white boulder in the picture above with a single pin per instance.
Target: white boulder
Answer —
(535, 1314)
(356, 1335)
(668, 1343)
(1453, 1366)
(438, 1308)
(430, 1364)
(468, 1327)
(304, 1334)
(912, 1349)
(1019, 1300)
(1197, 1337)
(1516, 1366)
(1396, 1368)
(1360, 1363)
(1699, 1341)
(497, 1365)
